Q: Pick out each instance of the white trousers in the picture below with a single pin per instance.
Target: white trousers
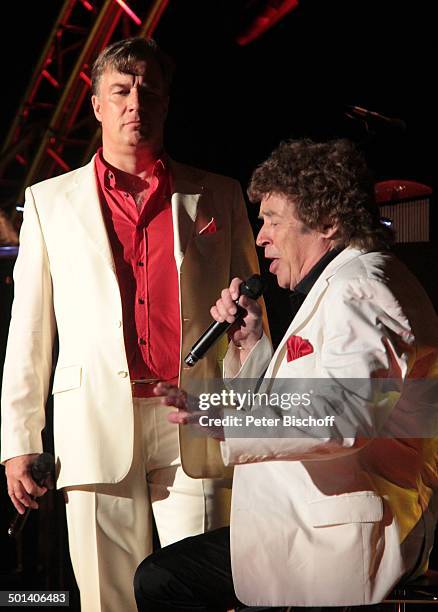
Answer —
(110, 525)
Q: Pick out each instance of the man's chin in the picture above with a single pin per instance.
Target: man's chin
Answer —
(139, 133)
(140, 143)
(139, 137)
(281, 282)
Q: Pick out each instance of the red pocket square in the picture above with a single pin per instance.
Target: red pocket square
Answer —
(297, 347)
(210, 228)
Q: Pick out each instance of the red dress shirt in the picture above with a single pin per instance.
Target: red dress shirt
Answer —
(142, 246)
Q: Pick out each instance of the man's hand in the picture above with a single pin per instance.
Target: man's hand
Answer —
(21, 486)
(250, 330)
(188, 409)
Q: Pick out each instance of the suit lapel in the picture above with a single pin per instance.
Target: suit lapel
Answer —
(84, 202)
(83, 199)
(310, 305)
(186, 192)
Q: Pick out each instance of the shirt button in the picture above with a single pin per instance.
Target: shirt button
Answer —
(140, 300)
(119, 324)
(141, 341)
(126, 194)
(123, 374)
(140, 263)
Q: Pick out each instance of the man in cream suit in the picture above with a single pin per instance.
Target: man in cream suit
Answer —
(334, 511)
(121, 259)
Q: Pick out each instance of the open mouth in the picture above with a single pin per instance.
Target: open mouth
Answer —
(273, 266)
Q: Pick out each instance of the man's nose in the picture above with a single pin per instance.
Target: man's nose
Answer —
(134, 99)
(262, 239)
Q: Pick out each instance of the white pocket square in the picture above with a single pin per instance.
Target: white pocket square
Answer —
(210, 228)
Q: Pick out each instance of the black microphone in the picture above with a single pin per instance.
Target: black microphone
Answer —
(252, 288)
(42, 470)
(356, 112)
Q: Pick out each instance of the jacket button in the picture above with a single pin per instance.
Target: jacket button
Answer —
(123, 374)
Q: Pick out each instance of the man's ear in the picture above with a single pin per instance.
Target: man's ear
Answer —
(96, 107)
(329, 230)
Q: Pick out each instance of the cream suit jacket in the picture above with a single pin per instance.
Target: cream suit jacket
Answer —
(65, 283)
(339, 520)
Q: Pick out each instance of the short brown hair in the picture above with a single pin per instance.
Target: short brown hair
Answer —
(125, 54)
(328, 183)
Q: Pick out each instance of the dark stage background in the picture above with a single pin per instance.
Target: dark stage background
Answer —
(231, 106)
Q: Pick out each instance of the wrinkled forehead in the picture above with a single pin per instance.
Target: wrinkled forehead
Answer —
(134, 66)
(278, 204)
(126, 67)
(148, 75)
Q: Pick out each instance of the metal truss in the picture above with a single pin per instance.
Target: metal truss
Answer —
(54, 129)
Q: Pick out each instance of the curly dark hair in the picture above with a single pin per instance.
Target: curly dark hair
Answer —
(328, 183)
(124, 55)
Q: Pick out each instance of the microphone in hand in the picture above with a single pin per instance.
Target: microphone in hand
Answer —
(252, 288)
(42, 471)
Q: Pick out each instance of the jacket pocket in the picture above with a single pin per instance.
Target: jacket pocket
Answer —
(67, 378)
(211, 247)
(209, 238)
(362, 507)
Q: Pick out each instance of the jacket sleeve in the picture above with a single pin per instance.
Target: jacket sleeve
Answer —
(357, 373)
(28, 362)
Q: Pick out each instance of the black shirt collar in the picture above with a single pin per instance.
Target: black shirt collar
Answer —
(299, 294)
(306, 284)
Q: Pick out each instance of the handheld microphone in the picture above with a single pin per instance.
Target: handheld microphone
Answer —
(41, 470)
(252, 288)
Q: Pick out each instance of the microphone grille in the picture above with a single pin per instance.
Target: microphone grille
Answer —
(42, 467)
(253, 287)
